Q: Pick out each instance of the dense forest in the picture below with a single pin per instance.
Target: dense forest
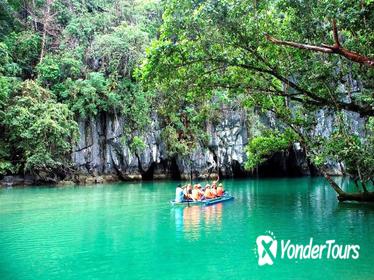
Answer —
(61, 60)
(184, 60)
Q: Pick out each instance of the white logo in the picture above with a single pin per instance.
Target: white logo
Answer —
(266, 249)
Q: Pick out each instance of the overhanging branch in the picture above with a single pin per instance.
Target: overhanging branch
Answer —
(335, 49)
(362, 110)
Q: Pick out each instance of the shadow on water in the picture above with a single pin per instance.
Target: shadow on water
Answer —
(363, 207)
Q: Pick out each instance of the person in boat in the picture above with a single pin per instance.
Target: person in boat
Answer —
(197, 194)
(213, 190)
(208, 193)
(179, 193)
(215, 184)
(188, 192)
(200, 191)
(220, 190)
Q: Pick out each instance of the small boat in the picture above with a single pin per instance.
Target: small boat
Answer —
(205, 202)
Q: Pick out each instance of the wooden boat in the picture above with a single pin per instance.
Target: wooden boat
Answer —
(205, 202)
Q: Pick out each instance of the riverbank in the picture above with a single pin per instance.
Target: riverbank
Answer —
(82, 179)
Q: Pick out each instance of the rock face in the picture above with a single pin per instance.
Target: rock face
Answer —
(102, 151)
(17, 180)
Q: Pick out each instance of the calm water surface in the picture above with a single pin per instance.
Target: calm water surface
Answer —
(129, 231)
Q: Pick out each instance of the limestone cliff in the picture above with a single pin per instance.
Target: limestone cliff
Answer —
(102, 151)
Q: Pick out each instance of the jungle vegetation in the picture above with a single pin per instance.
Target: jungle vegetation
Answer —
(290, 59)
(61, 60)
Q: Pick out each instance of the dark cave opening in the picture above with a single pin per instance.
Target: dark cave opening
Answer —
(284, 164)
(238, 171)
(148, 175)
(175, 173)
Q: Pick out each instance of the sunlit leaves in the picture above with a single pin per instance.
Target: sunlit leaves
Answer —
(260, 148)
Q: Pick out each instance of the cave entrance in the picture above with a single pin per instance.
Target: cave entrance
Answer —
(282, 164)
(175, 173)
(238, 170)
(148, 175)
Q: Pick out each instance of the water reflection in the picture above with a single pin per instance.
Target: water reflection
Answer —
(213, 215)
(191, 220)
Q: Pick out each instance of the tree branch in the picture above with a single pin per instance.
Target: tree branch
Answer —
(298, 45)
(335, 49)
(312, 98)
(335, 34)
(362, 110)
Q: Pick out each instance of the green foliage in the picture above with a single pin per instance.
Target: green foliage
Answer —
(90, 52)
(49, 71)
(7, 66)
(137, 145)
(6, 166)
(86, 97)
(197, 58)
(354, 151)
(24, 49)
(212, 47)
(38, 128)
(96, 75)
(5, 88)
(54, 69)
(133, 103)
(8, 22)
(120, 50)
(175, 145)
(260, 148)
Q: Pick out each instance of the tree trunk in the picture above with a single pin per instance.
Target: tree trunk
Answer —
(43, 46)
(344, 196)
(332, 183)
(362, 197)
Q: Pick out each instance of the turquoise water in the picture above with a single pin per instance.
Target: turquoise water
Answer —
(129, 231)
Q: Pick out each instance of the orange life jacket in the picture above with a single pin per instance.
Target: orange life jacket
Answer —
(219, 191)
(208, 194)
(196, 194)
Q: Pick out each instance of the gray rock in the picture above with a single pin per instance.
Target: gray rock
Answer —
(102, 149)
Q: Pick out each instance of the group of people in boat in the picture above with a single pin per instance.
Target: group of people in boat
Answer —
(198, 193)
